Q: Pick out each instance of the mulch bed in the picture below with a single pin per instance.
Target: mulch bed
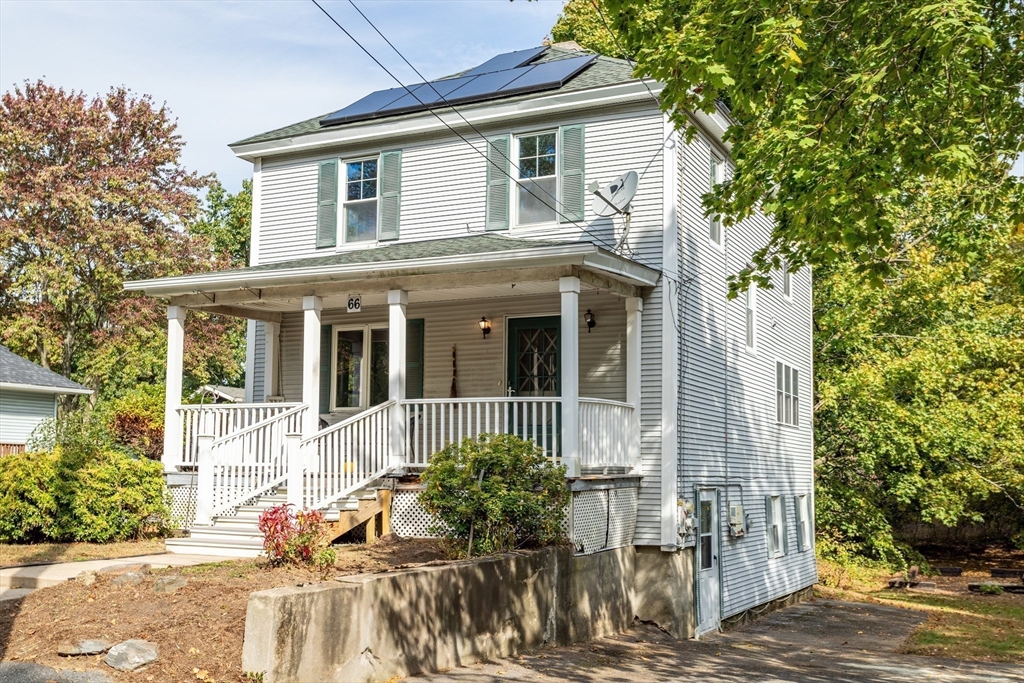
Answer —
(199, 627)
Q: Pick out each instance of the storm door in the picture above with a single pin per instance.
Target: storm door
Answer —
(534, 373)
(708, 575)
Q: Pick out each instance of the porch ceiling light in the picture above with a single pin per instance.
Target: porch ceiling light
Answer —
(485, 326)
(591, 321)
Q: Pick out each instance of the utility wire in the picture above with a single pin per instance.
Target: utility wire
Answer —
(625, 55)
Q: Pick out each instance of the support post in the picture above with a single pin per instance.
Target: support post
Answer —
(296, 469)
(204, 483)
(634, 321)
(271, 358)
(173, 446)
(311, 307)
(569, 365)
(398, 301)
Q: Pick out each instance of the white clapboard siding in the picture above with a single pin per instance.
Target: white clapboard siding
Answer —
(21, 412)
(444, 183)
(259, 384)
(481, 362)
(729, 437)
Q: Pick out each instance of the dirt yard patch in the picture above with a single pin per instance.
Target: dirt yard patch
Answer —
(15, 554)
(197, 628)
(960, 624)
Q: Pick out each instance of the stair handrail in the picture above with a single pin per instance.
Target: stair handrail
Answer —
(248, 479)
(333, 467)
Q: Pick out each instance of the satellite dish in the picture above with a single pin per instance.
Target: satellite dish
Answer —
(615, 197)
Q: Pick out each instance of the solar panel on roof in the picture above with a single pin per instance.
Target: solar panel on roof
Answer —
(509, 60)
(547, 75)
(467, 88)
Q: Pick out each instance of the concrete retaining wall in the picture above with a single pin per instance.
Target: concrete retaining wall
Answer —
(374, 627)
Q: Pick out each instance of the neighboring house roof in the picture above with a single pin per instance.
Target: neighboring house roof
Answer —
(20, 373)
(473, 252)
(604, 71)
(232, 394)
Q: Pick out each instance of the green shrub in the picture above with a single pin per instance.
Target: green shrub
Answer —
(78, 431)
(496, 494)
(67, 495)
(28, 506)
(135, 420)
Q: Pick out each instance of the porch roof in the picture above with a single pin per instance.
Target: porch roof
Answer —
(474, 253)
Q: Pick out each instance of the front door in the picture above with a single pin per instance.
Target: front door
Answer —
(708, 577)
(533, 371)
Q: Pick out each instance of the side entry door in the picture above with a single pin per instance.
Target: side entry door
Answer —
(709, 607)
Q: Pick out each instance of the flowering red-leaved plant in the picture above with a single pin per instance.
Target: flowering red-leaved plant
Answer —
(297, 537)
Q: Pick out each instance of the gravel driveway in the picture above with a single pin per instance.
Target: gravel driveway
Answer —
(821, 640)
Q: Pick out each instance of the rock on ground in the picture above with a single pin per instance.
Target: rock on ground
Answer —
(128, 579)
(28, 672)
(131, 655)
(169, 583)
(84, 647)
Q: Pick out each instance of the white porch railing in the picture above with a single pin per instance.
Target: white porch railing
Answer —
(607, 430)
(431, 424)
(245, 464)
(344, 457)
(221, 419)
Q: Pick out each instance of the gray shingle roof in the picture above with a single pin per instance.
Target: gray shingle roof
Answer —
(603, 72)
(17, 370)
(452, 246)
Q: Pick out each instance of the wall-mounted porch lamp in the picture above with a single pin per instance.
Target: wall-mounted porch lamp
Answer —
(485, 326)
(591, 321)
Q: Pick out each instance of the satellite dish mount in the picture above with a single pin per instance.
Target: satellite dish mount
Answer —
(614, 199)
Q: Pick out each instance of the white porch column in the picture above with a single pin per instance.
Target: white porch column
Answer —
(311, 307)
(569, 362)
(271, 359)
(634, 320)
(398, 300)
(172, 397)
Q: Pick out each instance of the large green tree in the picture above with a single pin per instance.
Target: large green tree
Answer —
(842, 111)
(93, 193)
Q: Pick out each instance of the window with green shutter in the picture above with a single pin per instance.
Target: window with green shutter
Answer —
(499, 150)
(571, 170)
(327, 205)
(390, 194)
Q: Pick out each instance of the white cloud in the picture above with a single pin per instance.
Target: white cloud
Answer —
(228, 70)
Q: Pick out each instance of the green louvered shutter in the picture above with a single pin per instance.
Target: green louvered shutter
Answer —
(499, 150)
(571, 173)
(327, 205)
(325, 368)
(414, 358)
(390, 194)
(769, 522)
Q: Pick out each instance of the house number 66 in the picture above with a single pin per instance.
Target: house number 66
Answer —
(354, 304)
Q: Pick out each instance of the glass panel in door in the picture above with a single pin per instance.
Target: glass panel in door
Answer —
(533, 371)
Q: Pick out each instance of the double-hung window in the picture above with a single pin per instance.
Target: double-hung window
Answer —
(787, 280)
(715, 221)
(360, 201)
(803, 522)
(787, 394)
(537, 174)
(751, 310)
(775, 525)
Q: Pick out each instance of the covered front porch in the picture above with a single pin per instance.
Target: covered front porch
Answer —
(367, 363)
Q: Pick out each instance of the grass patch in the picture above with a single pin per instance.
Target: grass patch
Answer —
(961, 624)
(15, 554)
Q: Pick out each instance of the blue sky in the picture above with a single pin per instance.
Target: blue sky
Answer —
(231, 69)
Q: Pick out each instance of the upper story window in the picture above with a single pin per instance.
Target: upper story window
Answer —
(360, 215)
(751, 308)
(787, 280)
(537, 187)
(715, 221)
(787, 394)
(775, 525)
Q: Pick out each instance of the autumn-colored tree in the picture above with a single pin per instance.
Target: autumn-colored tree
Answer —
(584, 22)
(93, 193)
(226, 221)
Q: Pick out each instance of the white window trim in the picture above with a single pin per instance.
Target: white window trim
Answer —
(778, 550)
(719, 168)
(803, 515)
(364, 372)
(342, 244)
(750, 319)
(795, 393)
(514, 171)
(787, 282)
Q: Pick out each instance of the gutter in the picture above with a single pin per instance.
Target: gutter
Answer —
(40, 389)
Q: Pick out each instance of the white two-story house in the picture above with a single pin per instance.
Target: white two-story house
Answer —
(429, 263)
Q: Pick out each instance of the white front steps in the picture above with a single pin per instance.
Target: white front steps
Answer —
(238, 535)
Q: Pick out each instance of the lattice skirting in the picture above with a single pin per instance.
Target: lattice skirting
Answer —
(183, 505)
(596, 519)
